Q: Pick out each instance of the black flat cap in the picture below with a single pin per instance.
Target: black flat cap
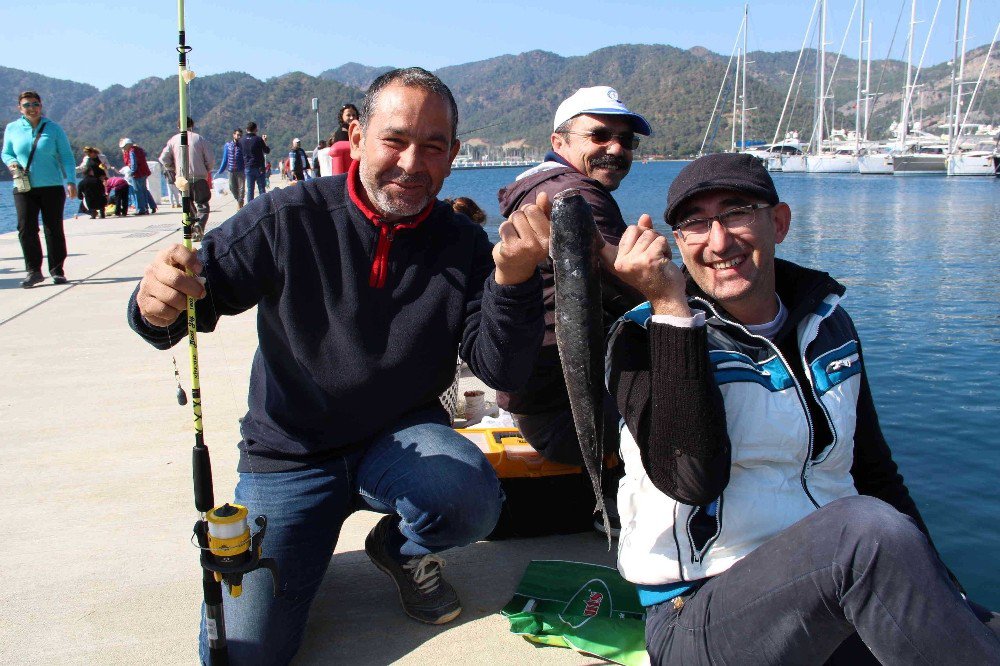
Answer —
(720, 171)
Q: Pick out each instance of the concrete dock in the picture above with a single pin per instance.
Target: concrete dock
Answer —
(95, 552)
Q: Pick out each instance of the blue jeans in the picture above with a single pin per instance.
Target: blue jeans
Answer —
(144, 201)
(441, 485)
(854, 568)
(255, 176)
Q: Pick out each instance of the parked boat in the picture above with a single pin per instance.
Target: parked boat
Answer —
(922, 160)
(974, 163)
(875, 160)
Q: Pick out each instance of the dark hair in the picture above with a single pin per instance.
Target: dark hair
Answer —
(251, 126)
(469, 208)
(29, 94)
(340, 116)
(415, 77)
(190, 122)
(238, 130)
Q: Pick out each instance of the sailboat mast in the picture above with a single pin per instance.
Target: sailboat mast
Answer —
(909, 78)
(743, 96)
(736, 101)
(961, 75)
(857, 102)
(821, 91)
(868, 79)
(952, 116)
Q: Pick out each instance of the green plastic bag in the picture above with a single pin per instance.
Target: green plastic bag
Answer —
(585, 607)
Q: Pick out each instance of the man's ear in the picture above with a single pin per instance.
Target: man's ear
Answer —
(782, 216)
(354, 137)
(558, 142)
(456, 145)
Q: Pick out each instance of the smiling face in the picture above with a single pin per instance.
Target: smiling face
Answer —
(347, 116)
(735, 268)
(31, 108)
(405, 152)
(607, 164)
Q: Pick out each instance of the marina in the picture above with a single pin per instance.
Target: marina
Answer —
(101, 562)
(102, 450)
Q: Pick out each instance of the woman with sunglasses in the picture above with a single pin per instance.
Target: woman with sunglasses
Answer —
(35, 144)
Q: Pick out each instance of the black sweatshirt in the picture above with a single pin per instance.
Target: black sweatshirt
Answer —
(340, 358)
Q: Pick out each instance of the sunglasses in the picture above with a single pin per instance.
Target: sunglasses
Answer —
(602, 136)
(30, 105)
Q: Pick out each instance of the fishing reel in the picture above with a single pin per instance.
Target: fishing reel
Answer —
(228, 549)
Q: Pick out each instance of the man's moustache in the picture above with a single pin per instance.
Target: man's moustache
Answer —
(609, 162)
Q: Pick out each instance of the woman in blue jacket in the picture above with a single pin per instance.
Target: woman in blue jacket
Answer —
(52, 173)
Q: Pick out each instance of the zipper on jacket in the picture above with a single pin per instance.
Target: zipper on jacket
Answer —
(380, 265)
(803, 475)
(699, 555)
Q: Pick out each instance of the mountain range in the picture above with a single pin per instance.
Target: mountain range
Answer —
(509, 98)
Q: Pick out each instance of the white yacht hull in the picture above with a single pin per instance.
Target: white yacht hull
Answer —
(793, 164)
(831, 164)
(973, 165)
(875, 164)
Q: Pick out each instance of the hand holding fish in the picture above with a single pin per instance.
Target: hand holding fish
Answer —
(643, 262)
(524, 242)
(166, 285)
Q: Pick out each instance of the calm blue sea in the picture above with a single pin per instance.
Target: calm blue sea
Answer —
(916, 256)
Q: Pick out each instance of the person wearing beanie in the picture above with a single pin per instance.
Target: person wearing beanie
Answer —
(763, 517)
(593, 141)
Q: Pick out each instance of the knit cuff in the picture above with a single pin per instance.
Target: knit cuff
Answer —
(678, 353)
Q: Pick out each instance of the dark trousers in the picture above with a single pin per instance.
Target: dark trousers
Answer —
(49, 201)
(201, 194)
(120, 199)
(854, 569)
(255, 178)
(92, 191)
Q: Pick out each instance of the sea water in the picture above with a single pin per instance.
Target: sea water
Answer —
(916, 256)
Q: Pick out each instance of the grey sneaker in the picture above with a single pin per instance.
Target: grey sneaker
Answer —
(34, 277)
(426, 596)
(59, 279)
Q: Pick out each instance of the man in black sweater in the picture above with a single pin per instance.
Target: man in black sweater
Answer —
(365, 285)
(254, 148)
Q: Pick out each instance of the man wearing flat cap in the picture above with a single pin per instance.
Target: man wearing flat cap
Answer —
(763, 518)
(593, 139)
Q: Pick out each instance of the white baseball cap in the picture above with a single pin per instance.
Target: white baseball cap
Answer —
(125, 142)
(296, 140)
(600, 100)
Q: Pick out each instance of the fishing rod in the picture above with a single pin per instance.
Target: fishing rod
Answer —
(228, 550)
(461, 134)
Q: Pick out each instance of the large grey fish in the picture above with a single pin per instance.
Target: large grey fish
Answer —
(573, 246)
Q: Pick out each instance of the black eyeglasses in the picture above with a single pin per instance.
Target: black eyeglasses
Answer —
(602, 136)
(31, 105)
(695, 229)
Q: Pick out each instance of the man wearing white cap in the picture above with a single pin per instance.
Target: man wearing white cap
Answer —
(298, 161)
(594, 136)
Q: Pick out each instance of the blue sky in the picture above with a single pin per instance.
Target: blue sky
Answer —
(87, 42)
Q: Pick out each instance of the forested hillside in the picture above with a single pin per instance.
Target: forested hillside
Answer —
(510, 97)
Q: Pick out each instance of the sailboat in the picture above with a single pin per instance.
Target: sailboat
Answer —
(973, 149)
(924, 153)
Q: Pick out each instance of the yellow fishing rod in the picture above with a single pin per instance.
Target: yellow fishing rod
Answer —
(228, 550)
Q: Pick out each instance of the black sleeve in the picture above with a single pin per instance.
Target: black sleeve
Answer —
(504, 325)
(662, 384)
(239, 268)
